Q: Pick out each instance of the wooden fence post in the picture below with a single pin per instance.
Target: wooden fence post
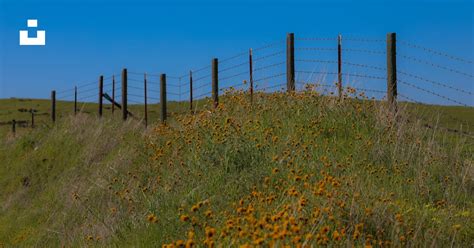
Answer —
(191, 91)
(13, 126)
(251, 75)
(53, 106)
(215, 82)
(146, 102)
(75, 100)
(124, 95)
(163, 97)
(290, 62)
(339, 65)
(101, 94)
(113, 94)
(32, 118)
(392, 71)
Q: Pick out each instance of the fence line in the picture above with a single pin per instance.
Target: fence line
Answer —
(265, 67)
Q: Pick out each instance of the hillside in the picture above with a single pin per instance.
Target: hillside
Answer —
(299, 169)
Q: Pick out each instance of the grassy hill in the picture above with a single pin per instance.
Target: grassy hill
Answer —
(295, 170)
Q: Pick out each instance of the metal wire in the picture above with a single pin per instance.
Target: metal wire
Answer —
(435, 65)
(268, 56)
(429, 50)
(432, 93)
(233, 67)
(268, 46)
(434, 82)
(344, 63)
(361, 39)
(235, 75)
(344, 74)
(270, 77)
(200, 78)
(269, 66)
(363, 51)
(234, 57)
(315, 38)
(315, 49)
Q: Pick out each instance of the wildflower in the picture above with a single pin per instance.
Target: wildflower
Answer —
(184, 218)
(210, 232)
(152, 218)
(336, 236)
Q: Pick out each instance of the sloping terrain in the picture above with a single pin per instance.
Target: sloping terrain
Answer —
(291, 169)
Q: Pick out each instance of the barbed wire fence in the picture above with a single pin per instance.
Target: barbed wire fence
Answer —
(378, 69)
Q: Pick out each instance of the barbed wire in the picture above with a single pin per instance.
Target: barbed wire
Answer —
(439, 53)
(270, 87)
(315, 49)
(361, 39)
(269, 77)
(434, 82)
(268, 46)
(201, 86)
(316, 38)
(233, 57)
(363, 51)
(364, 76)
(235, 75)
(431, 92)
(344, 63)
(201, 69)
(267, 56)
(200, 78)
(233, 67)
(268, 66)
(344, 74)
(136, 88)
(201, 95)
(234, 86)
(87, 97)
(435, 65)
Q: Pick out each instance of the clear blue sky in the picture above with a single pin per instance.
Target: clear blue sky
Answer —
(88, 38)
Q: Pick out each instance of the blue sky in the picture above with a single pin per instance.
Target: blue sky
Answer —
(88, 38)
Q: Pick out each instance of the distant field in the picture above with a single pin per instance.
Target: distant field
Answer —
(18, 109)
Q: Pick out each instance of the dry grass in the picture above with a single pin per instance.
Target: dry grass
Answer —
(298, 170)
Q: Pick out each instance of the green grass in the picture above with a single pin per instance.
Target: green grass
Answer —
(94, 182)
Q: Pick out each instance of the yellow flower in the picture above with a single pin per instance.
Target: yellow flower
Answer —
(152, 218)
(184, 218)
(210, 232)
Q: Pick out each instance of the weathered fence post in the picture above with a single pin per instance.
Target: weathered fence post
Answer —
(392, 71)
(191, 91)
(215, 82)
(339, 65)
(113, 94)
(101, 94)
(13, 126)
(75, 100)
(290, 62)
(32, 118)
(251, 75)
(163, 97)
(124, 94)
(53, 106)
(146, 102)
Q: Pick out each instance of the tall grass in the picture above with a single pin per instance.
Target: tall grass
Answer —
(292, 169)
